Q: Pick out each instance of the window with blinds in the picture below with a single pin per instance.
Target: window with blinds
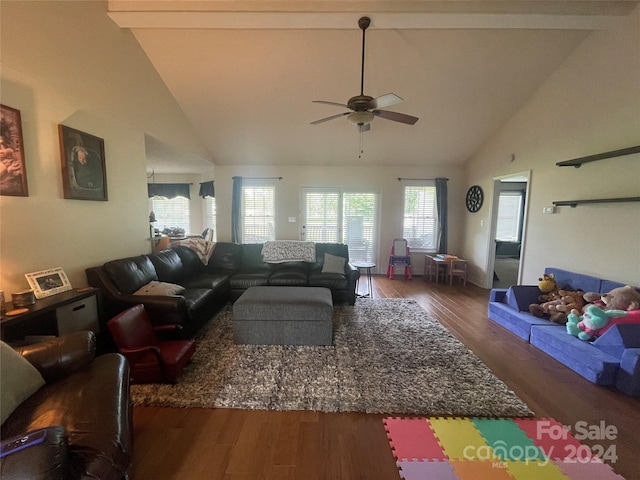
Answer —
(172, 213)
(360, 224)
(258, 213)
(420, 226)
(322, 218)
(509, 216)
(347, 216)
(210, 216)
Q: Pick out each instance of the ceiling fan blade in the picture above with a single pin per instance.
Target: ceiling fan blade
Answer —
(322, 120)
(384, 101)
(364, 128)
(396, 116)
(331, 103)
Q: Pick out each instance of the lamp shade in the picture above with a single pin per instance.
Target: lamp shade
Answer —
(360, 118)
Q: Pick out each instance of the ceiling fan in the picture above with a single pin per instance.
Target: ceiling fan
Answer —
(363, 107)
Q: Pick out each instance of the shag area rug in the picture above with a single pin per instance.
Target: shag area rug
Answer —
(389, 356)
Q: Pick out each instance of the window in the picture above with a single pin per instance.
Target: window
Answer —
(321, 222)
(509, 216)
(420, 226)
(360, 225)
(210, 216)
(340, 215)
(171, 213)
(258, 212)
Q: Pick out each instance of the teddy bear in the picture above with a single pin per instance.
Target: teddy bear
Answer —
(622, 298)
(558, 309)
(589, 325)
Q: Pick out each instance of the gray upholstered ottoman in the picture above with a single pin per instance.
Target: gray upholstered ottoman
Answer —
(284, 316)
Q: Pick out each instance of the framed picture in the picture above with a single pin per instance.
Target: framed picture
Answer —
(48, 282)
(13, 172)
(84, 174)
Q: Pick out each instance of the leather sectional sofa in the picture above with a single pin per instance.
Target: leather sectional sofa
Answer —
(231, 269)
(84, 408)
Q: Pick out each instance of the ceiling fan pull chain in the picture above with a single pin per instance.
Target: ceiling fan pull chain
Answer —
(361, 144)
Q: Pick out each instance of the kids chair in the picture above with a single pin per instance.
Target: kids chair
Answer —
(151, 360)
(458, 268)
(400, 254)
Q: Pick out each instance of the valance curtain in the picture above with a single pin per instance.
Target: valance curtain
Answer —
(236, 210)
(207, 190)
(441, 205)
(168, 190)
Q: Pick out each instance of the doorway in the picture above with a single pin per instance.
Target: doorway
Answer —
(508, 220)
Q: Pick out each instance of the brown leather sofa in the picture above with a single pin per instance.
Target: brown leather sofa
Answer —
(231, 269)
(85, 407)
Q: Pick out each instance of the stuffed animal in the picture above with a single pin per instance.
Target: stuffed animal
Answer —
(622, 298)
(549, 288)
(589, 325)
(558, 309)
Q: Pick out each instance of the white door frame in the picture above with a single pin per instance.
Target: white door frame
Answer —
(491, 249)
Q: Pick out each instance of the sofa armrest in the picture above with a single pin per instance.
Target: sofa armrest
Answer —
(165, 303)
(351, 272)
(628, 378)
(61, 356)
(497, 295)
(47, 460)
(519, 297)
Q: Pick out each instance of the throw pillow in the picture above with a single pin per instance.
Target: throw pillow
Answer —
(159, 288)
(19, 380)
(333, 264)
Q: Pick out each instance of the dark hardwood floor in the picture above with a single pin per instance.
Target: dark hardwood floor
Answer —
(211, 444)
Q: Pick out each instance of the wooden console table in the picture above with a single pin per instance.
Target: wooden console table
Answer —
(53, 316)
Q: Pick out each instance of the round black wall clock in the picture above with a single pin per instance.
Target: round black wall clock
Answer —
(475, 196)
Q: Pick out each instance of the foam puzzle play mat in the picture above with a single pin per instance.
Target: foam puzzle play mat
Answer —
(439, 448)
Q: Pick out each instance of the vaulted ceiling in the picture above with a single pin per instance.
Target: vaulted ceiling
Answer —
(245, 72)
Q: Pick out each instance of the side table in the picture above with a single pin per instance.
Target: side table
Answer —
(53, 316)
(368, 266)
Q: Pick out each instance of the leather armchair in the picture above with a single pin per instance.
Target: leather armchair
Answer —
(85, 407)
(151, 359)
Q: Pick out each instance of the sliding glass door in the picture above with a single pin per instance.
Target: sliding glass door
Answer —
(342, 215)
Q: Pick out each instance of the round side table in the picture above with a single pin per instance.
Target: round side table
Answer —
(368, 266)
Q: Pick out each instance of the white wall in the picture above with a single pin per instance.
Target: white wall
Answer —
(590, 105)
(67, 62)
(383, 177)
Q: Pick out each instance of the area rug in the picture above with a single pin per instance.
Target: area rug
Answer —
(492, 449)
(389, 356)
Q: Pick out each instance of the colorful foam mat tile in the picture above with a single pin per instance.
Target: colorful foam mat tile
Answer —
(442, 448)
(413, 438)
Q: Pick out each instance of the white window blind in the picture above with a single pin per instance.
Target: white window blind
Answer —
(322, 216)
(509, 216)
(349, 216)
(360, 224)
(172, 213)
(420, 227)
(210, 216)
(258, 213)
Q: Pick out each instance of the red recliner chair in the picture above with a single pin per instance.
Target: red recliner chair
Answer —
(150, 360)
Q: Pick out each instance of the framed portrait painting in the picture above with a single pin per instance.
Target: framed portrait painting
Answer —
(84, 174)
(13, 172)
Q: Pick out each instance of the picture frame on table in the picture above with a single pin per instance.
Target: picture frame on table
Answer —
(48, 282)
(84, 173)
(13, 171)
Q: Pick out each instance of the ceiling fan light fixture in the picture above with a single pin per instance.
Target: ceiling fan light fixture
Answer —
(361, 118)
